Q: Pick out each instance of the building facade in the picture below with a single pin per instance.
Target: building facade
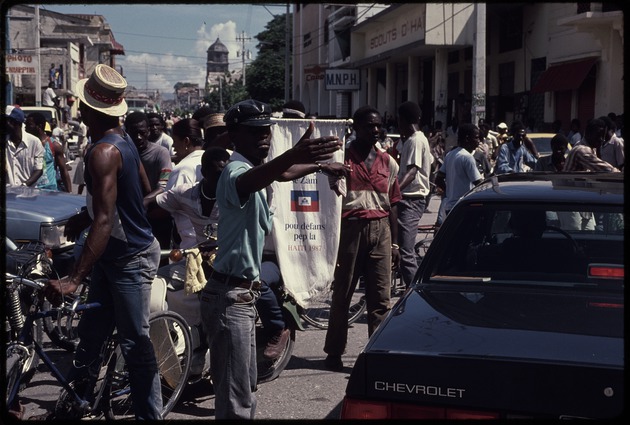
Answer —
(536, 62)
(71, 44)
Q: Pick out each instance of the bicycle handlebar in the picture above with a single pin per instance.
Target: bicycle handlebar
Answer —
(28, 282)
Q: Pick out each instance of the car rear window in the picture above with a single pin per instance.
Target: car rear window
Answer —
(550, 245)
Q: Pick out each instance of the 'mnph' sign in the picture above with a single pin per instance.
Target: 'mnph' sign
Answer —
(342, 79)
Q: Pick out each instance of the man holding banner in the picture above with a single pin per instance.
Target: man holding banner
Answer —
(228, 299)
(368, 233)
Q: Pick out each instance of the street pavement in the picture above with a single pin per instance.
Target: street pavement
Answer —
(304, 390)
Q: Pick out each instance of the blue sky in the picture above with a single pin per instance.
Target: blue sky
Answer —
(166, 43)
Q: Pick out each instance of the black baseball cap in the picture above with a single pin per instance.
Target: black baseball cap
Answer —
(249, 112)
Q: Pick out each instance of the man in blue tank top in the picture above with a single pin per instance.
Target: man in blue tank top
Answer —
(120, 251)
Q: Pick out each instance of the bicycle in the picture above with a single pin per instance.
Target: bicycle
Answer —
(25, 260)
(421, 247)
(106, 393)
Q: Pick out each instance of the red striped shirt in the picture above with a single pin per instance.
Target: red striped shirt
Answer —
(371, 193)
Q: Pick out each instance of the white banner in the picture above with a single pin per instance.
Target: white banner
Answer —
(306, 215)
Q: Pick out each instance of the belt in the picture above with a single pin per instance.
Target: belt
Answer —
(226, 279)
(412, 197)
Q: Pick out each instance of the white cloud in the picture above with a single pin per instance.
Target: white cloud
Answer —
(163, 71)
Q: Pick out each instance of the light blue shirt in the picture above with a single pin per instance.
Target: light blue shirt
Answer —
(513, 160)
(460, 171)
(243, 224)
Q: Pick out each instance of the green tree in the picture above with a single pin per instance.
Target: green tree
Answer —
(265, 75)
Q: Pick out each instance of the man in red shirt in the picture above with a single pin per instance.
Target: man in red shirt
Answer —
(368, 233)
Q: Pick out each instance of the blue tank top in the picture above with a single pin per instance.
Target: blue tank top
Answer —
(131, 231)
(48, 180)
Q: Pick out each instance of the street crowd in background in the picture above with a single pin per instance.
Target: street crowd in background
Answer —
(210, 168)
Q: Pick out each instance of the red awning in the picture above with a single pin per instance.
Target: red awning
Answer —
(564, 76)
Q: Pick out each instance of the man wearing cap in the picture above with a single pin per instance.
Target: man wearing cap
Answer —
(502, 137)
(212, 125)
(66, 111)
(24, 152)
(120, 251)
(228, 299)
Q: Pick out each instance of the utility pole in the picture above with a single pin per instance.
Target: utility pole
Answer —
(38, 77)
(287, 63)
(243, 39)
(221, 108)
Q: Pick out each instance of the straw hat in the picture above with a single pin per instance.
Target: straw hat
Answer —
(104, 91)
(213, 120)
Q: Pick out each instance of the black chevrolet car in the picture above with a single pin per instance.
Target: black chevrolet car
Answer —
(517, 310)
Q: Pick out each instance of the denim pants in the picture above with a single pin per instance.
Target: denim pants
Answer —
(267, 304)
(228, 315)
(123, 288)
(410, 212)
(364, 250)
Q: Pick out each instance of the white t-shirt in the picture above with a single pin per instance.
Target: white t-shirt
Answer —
(187, 171)
(185, 200)
(415, 151)
(22, 160)
(49, 96)
(461, 172)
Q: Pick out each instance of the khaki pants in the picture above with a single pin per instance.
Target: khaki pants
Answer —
(364, 250)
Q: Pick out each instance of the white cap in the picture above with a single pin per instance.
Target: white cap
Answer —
(502, 125)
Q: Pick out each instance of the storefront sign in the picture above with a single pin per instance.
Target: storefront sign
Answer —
(396, 33)
(342, 79)
(21, 64)
(314, 73)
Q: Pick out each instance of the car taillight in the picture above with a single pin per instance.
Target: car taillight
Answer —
(606, 271)
(367, 409)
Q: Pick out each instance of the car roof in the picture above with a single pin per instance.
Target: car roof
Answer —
(589, 188)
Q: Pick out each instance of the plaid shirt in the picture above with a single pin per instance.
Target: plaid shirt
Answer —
(582, 157)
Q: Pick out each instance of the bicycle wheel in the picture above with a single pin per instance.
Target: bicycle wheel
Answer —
(318, 311)
(268, 370)
(14, 373)
(172, 343)
(92, 390)
(27, 300)
(421, 248)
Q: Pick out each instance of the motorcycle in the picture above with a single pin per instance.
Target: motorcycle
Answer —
(168, 293)
(30, 260)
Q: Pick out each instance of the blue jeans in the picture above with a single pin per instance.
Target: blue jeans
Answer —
(267, 304)
(123, 288)
(410, 212)
(228, 315)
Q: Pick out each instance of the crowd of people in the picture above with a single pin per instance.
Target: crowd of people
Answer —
(150, 187)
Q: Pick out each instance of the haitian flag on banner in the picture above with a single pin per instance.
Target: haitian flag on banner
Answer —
(305, 200)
